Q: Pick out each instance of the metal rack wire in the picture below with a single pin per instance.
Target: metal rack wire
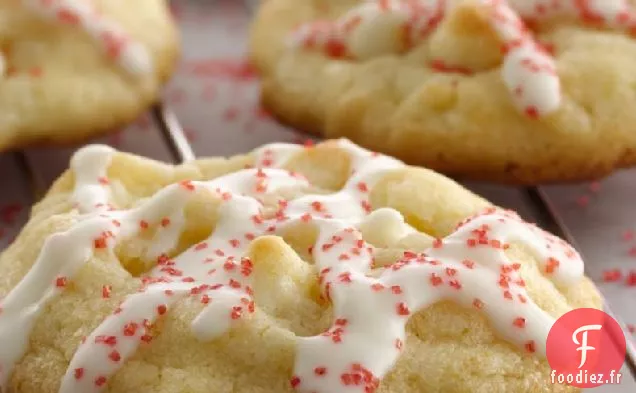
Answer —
(181, 151)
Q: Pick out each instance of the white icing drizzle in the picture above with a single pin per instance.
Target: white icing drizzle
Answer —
(378, 27)
(89, 168)
(371, 305)
(131, 55)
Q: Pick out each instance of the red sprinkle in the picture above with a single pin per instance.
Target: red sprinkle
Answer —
(336, 48)
(114, 356)
(455, 284)
(106, 290)
(469, 264)
(187, 184)
(532, 112)
(317, 206)
(595, 186)
(551, 265)
(235, 284)
(612, 275)
(108, 340)
(440, 66)
(100, 243)
(236, 312)
(320, 371)
(100, 381)
(366, 205)
(130, 329)
(396, 289)
(79, 373)
(530, 346)
(377, 287)
(519, 322)
(583, 201)
(201, 246)
(61, 282)
(402, 309)
(341, 322)
(345, 277)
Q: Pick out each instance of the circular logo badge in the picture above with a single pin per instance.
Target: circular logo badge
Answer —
(586, 348)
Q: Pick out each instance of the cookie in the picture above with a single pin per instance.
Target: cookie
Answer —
(71, 69)
(313, 269)
(521, 92)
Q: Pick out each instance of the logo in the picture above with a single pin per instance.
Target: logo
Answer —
(586, 348)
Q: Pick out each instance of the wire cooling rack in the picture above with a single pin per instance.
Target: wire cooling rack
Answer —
(181, 151)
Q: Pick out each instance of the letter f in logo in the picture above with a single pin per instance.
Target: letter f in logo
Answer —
(584, 348)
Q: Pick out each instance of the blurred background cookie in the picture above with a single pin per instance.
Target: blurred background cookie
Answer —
(514, 91)
(71, 69)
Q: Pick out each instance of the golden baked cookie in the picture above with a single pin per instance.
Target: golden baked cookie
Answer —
(519, 91)
(323, 269)
(70, 69)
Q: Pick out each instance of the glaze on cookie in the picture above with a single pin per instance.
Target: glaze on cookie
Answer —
(446, 49)
(72, 68)
(371, 302)
(528, 69)
(113, 39)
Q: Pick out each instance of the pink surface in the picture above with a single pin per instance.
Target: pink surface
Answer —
(215, 96)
